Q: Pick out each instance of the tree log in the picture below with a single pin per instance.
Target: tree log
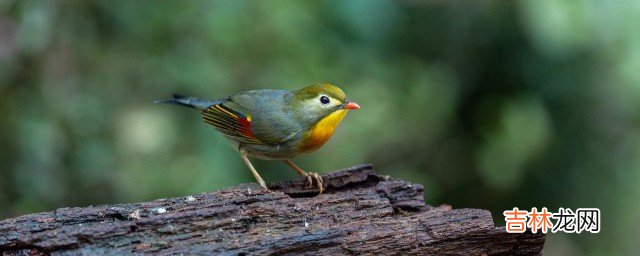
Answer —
(361, 212)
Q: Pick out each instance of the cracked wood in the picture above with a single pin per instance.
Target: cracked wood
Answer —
(361, 213)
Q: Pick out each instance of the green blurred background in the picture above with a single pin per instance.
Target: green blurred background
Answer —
(489, 104)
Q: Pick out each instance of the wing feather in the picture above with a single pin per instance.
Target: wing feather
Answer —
(230, 123)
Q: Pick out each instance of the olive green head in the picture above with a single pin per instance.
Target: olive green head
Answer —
(315, 90)
(317, 101)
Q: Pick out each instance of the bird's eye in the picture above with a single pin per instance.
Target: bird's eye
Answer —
(324, 100)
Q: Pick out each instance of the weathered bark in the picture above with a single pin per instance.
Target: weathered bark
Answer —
(360, 213)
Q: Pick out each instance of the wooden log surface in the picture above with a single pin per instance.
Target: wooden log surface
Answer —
(361, 212)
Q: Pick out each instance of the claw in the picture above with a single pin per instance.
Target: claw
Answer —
(310, 180)
(311, 176)
(318, 179)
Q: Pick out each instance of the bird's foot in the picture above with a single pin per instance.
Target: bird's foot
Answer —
(311, 176)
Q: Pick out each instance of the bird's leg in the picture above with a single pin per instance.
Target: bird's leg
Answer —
(253, 170)
(310, 176)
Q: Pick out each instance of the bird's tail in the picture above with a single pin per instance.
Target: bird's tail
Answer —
(189, 101)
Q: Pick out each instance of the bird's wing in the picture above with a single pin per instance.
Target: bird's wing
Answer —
(273, 120)
(231, 122)
(258, 117)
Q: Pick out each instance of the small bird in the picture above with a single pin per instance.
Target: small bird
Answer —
(275, 124)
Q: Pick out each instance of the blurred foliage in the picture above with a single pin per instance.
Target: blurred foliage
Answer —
(489, 104)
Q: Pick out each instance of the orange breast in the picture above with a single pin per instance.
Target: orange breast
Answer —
(322, 131)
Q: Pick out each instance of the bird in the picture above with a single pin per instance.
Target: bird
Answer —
(275, 124)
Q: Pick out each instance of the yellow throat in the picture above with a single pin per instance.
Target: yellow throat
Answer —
(322, 131)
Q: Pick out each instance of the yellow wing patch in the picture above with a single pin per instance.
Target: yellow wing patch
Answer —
(230, 123)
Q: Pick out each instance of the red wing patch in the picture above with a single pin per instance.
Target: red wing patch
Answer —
(230, 123)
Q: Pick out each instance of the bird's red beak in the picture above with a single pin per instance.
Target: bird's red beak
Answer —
(351, 105)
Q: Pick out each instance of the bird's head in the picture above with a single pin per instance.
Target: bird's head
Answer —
(321, 108)
(318, 101)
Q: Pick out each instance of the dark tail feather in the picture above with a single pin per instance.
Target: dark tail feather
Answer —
(189, 101)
